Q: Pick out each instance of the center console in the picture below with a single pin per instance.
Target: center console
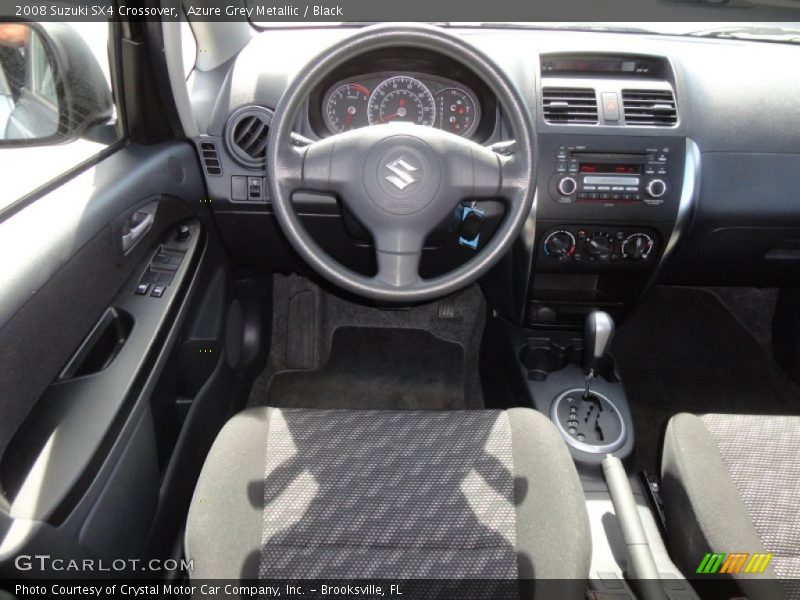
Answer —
(607, 209)
(615, 183)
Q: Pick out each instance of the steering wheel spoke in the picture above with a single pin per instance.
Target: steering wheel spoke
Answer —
(397, 269)
(398, 250)
(305, 165)
(514, 177)
(499, 175)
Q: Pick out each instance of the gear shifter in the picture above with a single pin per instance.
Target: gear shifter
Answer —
(597, 334)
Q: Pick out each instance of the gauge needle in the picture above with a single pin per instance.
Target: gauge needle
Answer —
(347, 120)
(389, 117)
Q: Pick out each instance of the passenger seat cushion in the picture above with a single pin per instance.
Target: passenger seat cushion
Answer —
(762, 455)
(705, 510)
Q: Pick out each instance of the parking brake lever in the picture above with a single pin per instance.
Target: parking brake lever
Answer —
(597, 334)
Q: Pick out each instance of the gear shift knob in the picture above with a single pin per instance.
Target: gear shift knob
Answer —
(597, 334)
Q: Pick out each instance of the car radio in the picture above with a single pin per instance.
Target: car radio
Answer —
(610, 177)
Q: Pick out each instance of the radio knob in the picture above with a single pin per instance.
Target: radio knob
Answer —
(657, 188)
(567, 186)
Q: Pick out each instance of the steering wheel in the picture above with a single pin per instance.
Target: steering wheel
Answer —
(401, 180)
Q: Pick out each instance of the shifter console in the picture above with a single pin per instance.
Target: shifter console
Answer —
(588, 420)
(590, 423)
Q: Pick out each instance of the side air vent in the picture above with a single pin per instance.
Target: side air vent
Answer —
(246, 135)
(569, 105)
(654, 108)
(210, 158)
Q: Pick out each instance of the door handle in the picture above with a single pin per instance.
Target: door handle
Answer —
(137, 225)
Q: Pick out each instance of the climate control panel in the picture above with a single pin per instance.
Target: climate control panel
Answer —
(598, 249)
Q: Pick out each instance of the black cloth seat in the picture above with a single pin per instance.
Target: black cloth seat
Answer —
(731, 484)
(344, 494)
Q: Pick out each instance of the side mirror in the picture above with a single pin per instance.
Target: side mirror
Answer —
(52, 89)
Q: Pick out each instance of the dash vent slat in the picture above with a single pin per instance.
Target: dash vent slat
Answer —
(210, 158)
(248, 134)
(653, 108)
(569, 105)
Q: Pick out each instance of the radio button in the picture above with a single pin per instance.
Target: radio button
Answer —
(589, 188)
(603, 188)
(632, 188)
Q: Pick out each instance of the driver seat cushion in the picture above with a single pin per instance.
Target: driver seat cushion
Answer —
(307, 493)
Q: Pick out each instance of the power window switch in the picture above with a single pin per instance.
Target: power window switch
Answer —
(158, 291)
(142, 289)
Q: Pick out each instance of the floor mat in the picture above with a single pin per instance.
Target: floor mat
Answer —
(373, 368)
(683, 351)
(329, 351)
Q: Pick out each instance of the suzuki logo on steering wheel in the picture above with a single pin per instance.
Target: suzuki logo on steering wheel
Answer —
(402, 170)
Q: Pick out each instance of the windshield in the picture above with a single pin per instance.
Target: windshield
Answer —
(788, 32)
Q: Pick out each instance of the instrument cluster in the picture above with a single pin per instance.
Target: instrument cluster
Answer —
(410, 97)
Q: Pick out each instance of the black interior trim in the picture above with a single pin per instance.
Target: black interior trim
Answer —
(61, 406)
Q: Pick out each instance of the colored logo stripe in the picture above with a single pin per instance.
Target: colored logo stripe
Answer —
(711, 563)
(758, 563)
(734, 563)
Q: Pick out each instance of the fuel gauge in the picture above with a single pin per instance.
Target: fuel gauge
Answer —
(457, 112)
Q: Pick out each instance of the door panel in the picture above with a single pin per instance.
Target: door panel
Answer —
(60, 269)
(82, 352)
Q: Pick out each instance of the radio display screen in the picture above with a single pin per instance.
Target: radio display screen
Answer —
(611, 168)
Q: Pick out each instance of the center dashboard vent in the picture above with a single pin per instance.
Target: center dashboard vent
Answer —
(569, 105)
(246, 135)
(653, 108)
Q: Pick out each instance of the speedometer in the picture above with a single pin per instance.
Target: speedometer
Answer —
(402, 99)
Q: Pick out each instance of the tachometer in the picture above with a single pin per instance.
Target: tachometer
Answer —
(346, 108)
(402, 99)
(457, 111)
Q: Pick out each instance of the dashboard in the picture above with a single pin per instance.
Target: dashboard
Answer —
(419, 98)
(658, 157)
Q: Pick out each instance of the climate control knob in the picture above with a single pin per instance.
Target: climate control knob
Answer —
(637, 246)
(599, 246)
(567, 186)
(656, 188)
(559, 244)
